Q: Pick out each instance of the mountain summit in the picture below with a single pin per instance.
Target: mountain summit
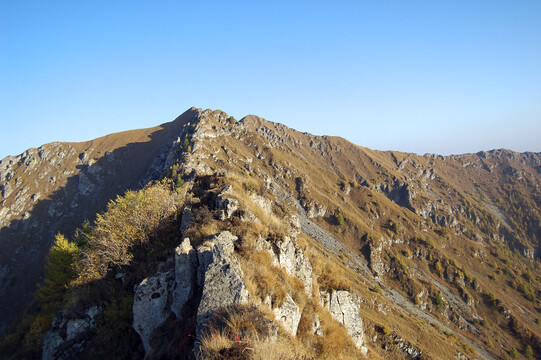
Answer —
(209, 237)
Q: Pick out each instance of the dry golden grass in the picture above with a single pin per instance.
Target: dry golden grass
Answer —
(329, 274)
(263, 279)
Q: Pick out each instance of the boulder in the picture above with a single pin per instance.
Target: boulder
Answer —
(288, 315)
(150, 308)
(344, 308)
(221, 278)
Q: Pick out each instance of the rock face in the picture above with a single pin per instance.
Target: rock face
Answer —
(288, 255)
(221, 278)
(212, 271)
(294, 261)
(185, 273)
(150, 306)
(66, 337)
(344, 308)
(228, 205)
(288, 315)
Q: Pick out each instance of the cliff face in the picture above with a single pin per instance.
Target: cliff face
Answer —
(313, 238)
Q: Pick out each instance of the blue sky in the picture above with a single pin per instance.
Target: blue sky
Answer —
(416, 76)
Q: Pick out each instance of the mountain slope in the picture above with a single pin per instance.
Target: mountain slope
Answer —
(441, 253)
(57, 186)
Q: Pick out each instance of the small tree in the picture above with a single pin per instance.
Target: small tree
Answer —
(59, 272)
(339, 217)
(514, 353)
(438, 299)
(528, 352)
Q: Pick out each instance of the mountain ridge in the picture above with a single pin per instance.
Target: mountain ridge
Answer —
(398, 214)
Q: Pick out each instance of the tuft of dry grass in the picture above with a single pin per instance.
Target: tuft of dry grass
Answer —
(330, 276)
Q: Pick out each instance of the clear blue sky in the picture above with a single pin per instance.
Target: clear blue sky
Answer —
(418, 76)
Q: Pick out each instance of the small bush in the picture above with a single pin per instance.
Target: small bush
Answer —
(130, 220)
(437, 299)
(179, 183)
(339, 218)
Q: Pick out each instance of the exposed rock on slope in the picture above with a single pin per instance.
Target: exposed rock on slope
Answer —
(416, 256)
(56, 187)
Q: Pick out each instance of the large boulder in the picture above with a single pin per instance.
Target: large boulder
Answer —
(221, 278)
(344, 308)
(150, 307)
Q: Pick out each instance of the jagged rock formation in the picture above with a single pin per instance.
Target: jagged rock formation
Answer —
(221, 279)
(344, 307)
(66, 339)
(414, 256)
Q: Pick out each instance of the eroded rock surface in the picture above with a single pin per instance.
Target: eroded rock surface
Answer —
(66, 337)
(288, 315)
(344, 308)
(222, 278)
(150, 308)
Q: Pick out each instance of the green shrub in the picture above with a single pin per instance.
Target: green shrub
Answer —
(528, 352)
(339, 217)
(437, 299)
(59, 272)
(179, 183)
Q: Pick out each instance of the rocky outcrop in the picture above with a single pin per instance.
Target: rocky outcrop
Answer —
(288, 315)
(67, 336)
(212, 271)
(228, 206)
(344, 308)
(220, 277)
(288, 255)
(185, 274)
(187, 216)
(150, 307)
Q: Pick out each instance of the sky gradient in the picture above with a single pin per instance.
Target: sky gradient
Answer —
(416, 76)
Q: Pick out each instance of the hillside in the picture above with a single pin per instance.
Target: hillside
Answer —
(55, 188)
(263, 242)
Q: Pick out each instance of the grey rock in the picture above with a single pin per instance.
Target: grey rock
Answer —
(226, 203)
(344, 308)
(187, 216)
(85, 186)
(150, 307)
(66, 329)
(185, 275)
(262, 202)
(53, 339)
(230, 207)
(317, 329)
(289, 255)
(5, 190)
(288, 315)
(221, 278)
